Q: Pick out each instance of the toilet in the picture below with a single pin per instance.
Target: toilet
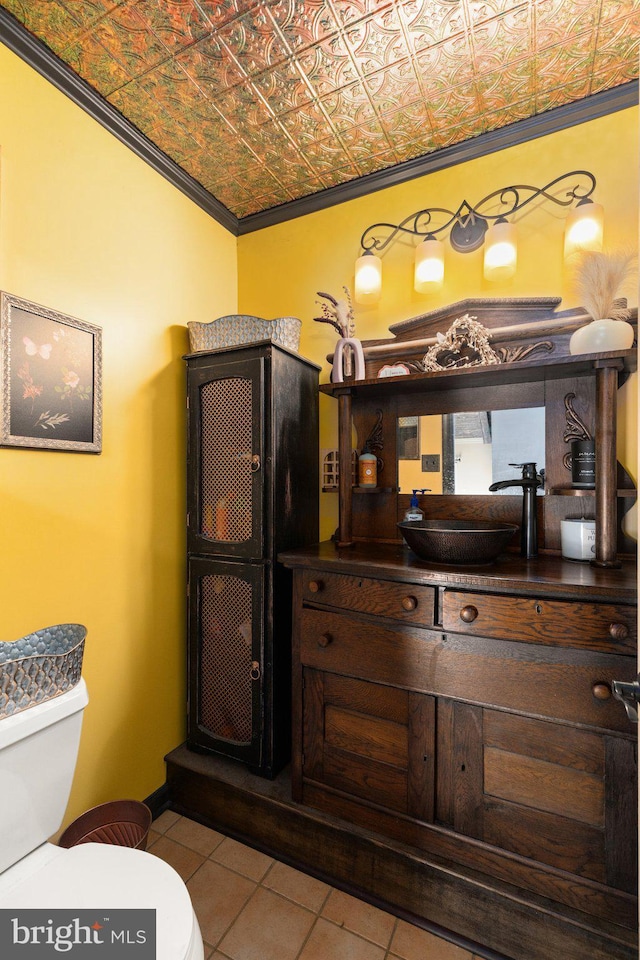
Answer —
(38, 753)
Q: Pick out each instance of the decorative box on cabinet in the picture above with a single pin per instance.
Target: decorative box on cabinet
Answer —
(252, 490)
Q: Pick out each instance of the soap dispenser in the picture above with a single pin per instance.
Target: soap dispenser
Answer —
(414, 512)
(367, 468)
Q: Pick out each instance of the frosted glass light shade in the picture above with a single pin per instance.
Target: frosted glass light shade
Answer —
(599, 336)
(584, 228)
(500, 251)
(368, 277)
(429, 265)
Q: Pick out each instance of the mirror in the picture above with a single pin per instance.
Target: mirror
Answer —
(465, 453)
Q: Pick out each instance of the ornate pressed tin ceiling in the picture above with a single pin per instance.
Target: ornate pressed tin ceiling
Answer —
(264, 102)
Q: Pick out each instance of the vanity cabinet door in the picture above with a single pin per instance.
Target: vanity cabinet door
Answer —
(560, 795)
(370, 741)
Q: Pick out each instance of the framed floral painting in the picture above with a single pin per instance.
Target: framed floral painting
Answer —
(51, 368)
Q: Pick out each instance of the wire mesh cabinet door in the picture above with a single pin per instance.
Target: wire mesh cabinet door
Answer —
(226, 658)
(226, 458)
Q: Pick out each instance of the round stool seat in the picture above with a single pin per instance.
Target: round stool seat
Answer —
(101, 877)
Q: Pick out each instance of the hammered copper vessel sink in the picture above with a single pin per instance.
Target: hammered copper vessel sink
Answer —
(457, 541)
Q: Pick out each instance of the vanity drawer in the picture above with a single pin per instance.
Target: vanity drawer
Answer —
(591, 626)
(409, 603)
(532, 679)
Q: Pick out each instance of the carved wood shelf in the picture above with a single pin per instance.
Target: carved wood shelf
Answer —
(558, 368)
(586, 492)
(608, 371)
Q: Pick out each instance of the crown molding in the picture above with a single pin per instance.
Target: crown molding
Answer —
(34, 52)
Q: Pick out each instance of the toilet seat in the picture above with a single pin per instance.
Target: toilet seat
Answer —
(101, 876)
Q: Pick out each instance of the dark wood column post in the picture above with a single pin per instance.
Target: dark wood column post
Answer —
(344, 459)
(606, 463)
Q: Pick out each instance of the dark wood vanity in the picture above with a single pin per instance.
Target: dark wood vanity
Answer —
(458, 755)
(467, 712)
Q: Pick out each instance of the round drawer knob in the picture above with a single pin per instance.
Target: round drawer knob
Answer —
(601, 691)
(618, 631)
(325, 639)
(315, 586)
(469, 613)
(409, 604)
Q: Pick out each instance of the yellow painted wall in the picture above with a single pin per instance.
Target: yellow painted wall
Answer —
(90, 230)
(282, 267)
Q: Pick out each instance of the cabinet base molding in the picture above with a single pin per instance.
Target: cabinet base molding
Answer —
(471, 909)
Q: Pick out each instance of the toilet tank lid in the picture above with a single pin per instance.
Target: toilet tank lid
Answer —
(19, 725)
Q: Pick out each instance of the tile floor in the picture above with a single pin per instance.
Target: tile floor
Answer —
(252, 907)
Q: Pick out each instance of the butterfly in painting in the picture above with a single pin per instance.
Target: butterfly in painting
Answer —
(32, 349)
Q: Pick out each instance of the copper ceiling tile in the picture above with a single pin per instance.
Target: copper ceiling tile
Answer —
(252, 41)
(364, 139)
(457, 65)
(327, 66)
(616, 74)
(505, 87)
(309, 122)
(338, 175)
(480, 10)
(177, 23)
(618, 8)
(618, 41)
(209, 66)
(90, 59)
(284, 88)
(508, 114)
(555, 65)
(170, 87)
(126, 36)
(556, 21)
(406, 125)
(319, 156)
(293, 96)
(458, 133)
(377, 42)
(409, 151)
(548, 99)
(349, 107)
(48, 20)
(378, 161)
(497, 42)
(390, 89)
(304, 22)
(282, 167)
(429, 21)
(219, 12)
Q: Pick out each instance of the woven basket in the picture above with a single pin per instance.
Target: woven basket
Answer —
(122, 823)
(240, 328)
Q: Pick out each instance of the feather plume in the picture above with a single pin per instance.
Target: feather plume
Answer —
(600, 278)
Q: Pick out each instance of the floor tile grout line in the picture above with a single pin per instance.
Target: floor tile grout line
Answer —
(388, 955)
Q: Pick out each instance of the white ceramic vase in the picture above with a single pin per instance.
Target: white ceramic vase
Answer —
(599, 336)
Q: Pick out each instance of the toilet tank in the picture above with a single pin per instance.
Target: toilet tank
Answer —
(38, 753)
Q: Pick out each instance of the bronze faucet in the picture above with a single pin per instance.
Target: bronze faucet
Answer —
(530, 481)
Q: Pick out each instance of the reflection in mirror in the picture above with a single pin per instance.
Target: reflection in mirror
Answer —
(465, 453)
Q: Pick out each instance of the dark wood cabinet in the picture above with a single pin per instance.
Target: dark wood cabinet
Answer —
(467, 711)
(252, 490)
(492, 741)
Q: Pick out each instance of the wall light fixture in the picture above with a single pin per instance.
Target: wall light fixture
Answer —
(469, 227)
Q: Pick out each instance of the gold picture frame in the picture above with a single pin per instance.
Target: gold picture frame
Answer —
(51, 368)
